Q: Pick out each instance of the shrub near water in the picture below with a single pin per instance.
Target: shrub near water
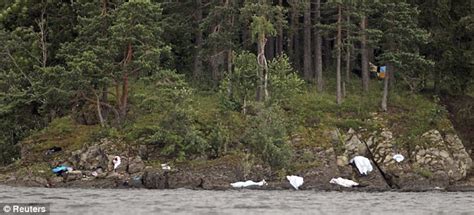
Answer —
(267, 135)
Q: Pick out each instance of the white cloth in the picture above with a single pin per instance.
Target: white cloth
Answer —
(295, 181)
(116, 162)
(398, 157)
(343, 182)
(242, 184)
(363, 164)
(165, 167)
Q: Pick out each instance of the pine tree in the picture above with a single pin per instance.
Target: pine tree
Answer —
(111, 49)
(264, 17)
(401, 37)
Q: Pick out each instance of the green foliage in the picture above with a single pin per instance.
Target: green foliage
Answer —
(164, 116)
(284, 81)
(400, 39)
(164, 90)
(59, 57)
(416, 116)
(260, 28)
(267, 135)
(243, 81)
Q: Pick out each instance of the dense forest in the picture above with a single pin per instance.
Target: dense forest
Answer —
(204, 78)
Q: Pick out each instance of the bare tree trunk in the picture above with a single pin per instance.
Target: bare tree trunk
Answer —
(385, 86)
(294, 38)
(99, 111)
(365, 56)
(391, 83)
(318, 61)
(245, 37)
(123, 101)
(297, 50)
(43, 35)
(327, 50)
(348, 56)
(436, 81)
(123, 107)
(262, 92)
(213, 61)
(105, 99)
(270, 48)
(338, 49)
(197, 66)
(229, 71)
(104, 6)
(229, 58)
(307, 71)
(291, 35)
(279, 42)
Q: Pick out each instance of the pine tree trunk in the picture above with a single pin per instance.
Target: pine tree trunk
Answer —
(124, 99)
(318, 61)
(262, 91)
(105, 99)
(229, 72)
(436, 81)
(43, 36)
(348, 56)
(125, 85)
(365, 56)
(270, 48)
(392, 80)
(327, 50)
(279, 42)
(213, 61)
(348, 51)
(385, 87)
(99, 111)
(307, 42)
(295, 44)
(197, 66)
(338, 51)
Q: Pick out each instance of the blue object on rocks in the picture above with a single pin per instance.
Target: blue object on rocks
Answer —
(59, 169)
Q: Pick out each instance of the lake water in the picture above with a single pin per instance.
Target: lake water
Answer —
(182, 201)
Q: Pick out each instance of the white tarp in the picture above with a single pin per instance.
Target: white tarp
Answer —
(295, 181)
(344, 182)
(363, 164)
(242, 184)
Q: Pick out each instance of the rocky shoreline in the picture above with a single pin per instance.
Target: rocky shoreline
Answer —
(443, 165)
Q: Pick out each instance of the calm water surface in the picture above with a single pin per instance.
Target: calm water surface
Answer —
(182, 201)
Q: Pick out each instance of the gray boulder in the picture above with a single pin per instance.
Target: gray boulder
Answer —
(90, 158)
(136, 165)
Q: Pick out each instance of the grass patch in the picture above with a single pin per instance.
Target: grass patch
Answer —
(62, 132)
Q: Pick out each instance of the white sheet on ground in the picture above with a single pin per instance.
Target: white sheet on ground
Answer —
(398, 157)
(343, 182)
(295, 181)
(363, 164)
(242, 184)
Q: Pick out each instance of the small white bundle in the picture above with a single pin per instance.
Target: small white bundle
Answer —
(116, 162)
(398, 157)
(165, 166)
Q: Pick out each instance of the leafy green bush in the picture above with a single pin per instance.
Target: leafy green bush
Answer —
(161, 91)
(240, 87)
(267, 135)
(8, 152)
(284, 80)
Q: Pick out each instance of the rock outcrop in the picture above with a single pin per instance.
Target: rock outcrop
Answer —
(443, 156)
